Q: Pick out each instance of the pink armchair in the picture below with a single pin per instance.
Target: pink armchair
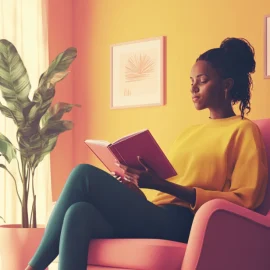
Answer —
(223, 236)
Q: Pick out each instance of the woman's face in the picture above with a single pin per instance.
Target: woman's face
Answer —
(206, 86)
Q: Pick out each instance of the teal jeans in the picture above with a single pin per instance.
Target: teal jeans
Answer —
(93, 204)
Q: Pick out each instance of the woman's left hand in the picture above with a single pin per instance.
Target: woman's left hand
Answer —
(146, 178)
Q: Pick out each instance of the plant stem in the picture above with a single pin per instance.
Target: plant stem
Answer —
(25, 221)
(27, 179)
(19, 169)
(16, 187)
(34, 224)
(30, 220)
(31, 215)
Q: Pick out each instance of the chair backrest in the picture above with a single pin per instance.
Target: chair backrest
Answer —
(264, 126)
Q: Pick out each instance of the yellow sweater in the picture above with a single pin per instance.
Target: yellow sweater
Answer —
(224, 158)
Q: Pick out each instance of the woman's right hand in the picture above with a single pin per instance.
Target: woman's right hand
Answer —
(128, 184)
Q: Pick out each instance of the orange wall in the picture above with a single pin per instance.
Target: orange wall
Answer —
(190, 30)
(60, 30)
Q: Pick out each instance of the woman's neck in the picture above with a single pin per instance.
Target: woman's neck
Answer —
(221, 113)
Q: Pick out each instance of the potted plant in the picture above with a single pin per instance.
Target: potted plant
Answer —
(38, 125)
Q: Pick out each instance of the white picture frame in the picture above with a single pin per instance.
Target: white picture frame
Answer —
(137, 73)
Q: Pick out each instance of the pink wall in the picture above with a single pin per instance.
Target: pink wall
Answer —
(60, 27)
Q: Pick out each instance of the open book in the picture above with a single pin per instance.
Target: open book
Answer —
(126, 150)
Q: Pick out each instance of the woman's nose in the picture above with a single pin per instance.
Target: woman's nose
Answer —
(194, 89)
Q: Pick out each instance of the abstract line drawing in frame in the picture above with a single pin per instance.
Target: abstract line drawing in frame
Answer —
(267, 48)
(137, 73)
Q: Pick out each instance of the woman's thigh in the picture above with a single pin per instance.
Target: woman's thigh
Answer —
(130, 214)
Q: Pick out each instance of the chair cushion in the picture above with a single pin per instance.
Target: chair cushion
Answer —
(135, 254)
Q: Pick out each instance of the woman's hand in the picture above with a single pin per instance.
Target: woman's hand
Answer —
(128, 184)
(146, 178)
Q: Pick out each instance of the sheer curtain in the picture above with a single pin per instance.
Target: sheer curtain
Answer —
(24, 23)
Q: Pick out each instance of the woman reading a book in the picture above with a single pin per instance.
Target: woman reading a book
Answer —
(223, 158)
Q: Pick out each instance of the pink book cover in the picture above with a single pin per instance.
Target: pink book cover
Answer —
(104, 154)
(126, 150)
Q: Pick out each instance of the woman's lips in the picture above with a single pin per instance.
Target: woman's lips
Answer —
(195, 99)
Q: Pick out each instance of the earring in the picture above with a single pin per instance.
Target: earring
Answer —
(225, 94)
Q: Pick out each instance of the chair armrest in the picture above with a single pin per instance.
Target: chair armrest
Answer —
(227, 236)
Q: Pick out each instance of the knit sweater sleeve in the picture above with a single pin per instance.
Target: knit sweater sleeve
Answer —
(250, 173)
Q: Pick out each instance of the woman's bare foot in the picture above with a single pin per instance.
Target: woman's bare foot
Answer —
(29, 268)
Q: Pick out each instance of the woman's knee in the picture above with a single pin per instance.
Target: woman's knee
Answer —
(87, 174)
(87, 178)
(82, 172)
(82, 217)
(78, 213)
(83, 168)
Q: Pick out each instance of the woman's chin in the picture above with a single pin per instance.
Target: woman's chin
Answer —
(199, 107)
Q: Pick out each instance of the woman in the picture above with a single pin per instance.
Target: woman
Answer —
(224, 158)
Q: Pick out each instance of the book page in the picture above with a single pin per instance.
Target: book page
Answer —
(103, 153)
(97, 142)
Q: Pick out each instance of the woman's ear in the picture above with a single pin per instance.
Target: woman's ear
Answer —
(228, 84)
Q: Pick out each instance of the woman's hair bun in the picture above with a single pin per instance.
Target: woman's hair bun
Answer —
(241, 53)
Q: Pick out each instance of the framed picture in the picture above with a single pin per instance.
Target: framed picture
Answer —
(137, 73)
(267, 48)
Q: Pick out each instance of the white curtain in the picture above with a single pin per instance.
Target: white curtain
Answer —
(24, 23)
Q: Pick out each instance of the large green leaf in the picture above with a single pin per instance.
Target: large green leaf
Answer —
(6, 148)
(49, 135)
(32, 140)
(58, 68)
(30, 145)
(57, 111)
(14, 81)
(57, 77)
(5, 111)
(43, 99)
(44, 94)
(13, 74)
(45, 142)
(48, 147)
(56, 127)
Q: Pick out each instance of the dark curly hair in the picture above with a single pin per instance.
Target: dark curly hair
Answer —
(234, 59)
